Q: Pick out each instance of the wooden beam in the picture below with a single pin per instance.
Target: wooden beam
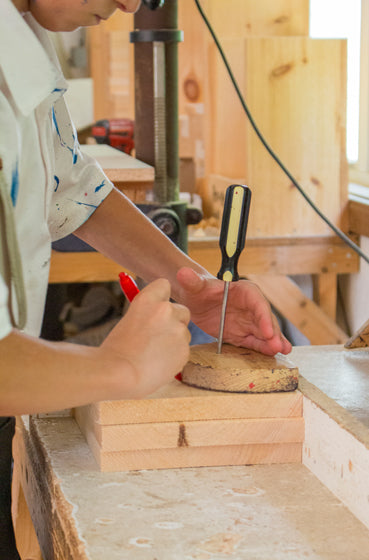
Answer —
(183, 457)
(82, 267)
(325, 293)
(308, 255)
(359, 217)
(282, 255)
(206, 433)
(289, 300)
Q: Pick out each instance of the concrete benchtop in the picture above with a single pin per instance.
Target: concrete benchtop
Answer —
(260, 512)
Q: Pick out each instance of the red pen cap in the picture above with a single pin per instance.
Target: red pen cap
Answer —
(128, 285)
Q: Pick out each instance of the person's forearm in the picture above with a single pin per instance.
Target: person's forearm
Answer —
(120, 231)
(41, 376)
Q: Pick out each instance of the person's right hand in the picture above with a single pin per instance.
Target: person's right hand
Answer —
(152, 337)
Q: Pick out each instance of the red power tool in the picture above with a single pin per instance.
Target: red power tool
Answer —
(118, 133)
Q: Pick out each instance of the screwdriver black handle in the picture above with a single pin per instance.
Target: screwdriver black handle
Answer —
(233, 231)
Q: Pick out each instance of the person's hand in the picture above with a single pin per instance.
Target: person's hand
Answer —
(249, 320)
(152, 337)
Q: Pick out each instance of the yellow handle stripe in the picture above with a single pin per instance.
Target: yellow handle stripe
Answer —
(234, 221)
(227, 276)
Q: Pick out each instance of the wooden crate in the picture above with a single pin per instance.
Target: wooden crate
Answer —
(181, 426)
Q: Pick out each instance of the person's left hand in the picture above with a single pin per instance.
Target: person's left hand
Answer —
(249, 320)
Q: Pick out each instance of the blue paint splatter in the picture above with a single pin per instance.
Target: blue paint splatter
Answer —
(73, 150)
(57, 181)
(62, 90)
(99, 187)
(56, 125)
(15, 184)
(85, 204)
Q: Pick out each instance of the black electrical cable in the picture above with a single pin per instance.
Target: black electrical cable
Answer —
(336, 230)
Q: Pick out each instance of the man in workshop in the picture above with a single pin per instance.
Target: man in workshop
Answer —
(48, 189)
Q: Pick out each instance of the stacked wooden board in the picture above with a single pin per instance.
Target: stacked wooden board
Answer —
(181, 426)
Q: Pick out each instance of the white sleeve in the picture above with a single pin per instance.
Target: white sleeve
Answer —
(5, 323)
(80, 184)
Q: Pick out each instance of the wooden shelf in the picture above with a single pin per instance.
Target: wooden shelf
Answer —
(311, 255)
(118, 166)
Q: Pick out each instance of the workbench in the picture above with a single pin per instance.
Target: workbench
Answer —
(268, 261)
(267, 512)
(124, 171)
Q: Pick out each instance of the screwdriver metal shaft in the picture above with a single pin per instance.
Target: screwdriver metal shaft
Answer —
(231, 242)
(222, 317)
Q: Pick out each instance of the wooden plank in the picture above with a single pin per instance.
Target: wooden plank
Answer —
(182, 417)
(206, 433)
(185, 455)
(118, 166)
(237, 18)
(361, 338)
(82, 267)
(286, 296)
(295, 89)
(308, 255)
(238, 370)
(204, 457)
(358, 212)
(177, 402)
(267, 256)
(325, 293)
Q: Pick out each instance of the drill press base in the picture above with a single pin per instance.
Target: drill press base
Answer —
(238, 370)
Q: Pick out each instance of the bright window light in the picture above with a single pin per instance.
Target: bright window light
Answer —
(341, 19)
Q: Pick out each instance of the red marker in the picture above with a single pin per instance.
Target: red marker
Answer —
(128, 285)
(130, 290)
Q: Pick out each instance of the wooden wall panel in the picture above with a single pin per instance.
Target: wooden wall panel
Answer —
(236, 19)
(111, 66)
(111, 56)
(295, 88)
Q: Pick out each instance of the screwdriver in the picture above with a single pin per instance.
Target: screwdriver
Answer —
(232, 241)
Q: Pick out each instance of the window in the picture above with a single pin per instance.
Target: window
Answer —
(342, 19)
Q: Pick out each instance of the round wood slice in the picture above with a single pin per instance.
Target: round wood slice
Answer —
(238, 370)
